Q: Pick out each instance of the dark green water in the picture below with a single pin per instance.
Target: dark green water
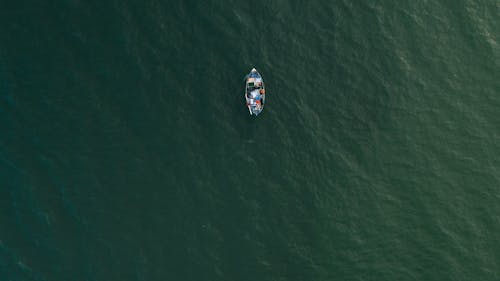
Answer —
(126, 151)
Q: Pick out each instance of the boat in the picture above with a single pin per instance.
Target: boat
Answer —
(255, 92)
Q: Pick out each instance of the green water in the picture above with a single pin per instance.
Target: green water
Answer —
(127, 153)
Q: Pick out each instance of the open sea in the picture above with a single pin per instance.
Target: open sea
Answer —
(127, 152)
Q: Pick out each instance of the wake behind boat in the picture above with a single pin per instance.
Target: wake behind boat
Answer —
(255, 92)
